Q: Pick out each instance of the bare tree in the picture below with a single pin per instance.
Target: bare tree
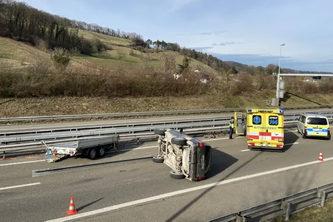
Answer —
(145, 61)
(168, 63)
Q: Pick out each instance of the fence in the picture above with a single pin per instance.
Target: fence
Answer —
(15, 140)
(284, 206)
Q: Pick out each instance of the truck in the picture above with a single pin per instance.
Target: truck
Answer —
(89, 147)
(187, 156)
(264, 128)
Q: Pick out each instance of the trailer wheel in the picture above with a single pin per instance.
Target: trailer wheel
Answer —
(157, 159)
(101, 151)
(180, 141)
(174, 175)
(160, 132)
(85, 152)
(92, 153)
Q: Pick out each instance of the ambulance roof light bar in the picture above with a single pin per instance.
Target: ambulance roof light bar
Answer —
(265, 110)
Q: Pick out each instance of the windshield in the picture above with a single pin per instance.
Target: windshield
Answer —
(317, 121)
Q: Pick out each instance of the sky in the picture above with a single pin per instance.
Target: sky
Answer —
(249, 32)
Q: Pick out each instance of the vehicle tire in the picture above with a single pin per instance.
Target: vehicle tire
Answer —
(160, 132)
(85, 152)
(329, 136)
(180, 141)
(101, 151)
(174, 175)
(303, 135)
(92, 153)
(157, 159)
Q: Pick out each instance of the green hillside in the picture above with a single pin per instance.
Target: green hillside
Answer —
(52, 65)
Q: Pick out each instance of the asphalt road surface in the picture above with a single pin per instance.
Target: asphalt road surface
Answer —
(143, 190)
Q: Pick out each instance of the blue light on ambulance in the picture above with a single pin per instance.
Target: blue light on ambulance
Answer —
(249, 110)
(281, 111)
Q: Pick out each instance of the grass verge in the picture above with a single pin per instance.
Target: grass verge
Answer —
(13, 107)
(312, 214)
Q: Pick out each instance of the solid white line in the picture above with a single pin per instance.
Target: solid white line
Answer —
(17, 163)
(287, 144)
(175, 193)
(18, 186)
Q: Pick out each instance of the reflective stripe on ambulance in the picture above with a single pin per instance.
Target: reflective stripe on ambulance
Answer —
(265, 136)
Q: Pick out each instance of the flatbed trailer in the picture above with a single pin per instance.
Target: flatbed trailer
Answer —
(90, 147)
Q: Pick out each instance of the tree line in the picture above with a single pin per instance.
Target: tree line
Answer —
(24, 23)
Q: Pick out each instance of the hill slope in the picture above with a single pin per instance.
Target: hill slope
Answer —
(113, 71)
(18, 54)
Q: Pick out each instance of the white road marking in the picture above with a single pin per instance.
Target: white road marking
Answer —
(287, 144)
(17, 163)
(18, 186)
(179, 192)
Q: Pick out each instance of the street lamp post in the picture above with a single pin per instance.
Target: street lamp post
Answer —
(278, 79)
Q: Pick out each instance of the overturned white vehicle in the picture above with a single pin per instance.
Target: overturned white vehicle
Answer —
(188, 157)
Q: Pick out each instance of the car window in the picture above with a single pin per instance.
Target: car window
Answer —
(256, 119)
(303, 119)
(273, 120)
(317, 121)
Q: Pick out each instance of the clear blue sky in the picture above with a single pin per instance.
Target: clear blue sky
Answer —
(244, 31)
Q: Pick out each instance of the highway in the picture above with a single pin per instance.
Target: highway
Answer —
(143, 191)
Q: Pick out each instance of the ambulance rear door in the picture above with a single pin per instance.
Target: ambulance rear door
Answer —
(274, 133)
(256, 125)
(240, 123)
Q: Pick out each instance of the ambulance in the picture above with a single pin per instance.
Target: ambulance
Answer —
(264, 128)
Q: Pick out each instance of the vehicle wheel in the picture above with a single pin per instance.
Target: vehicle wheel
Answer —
(92, 154)
(180, 141)
(303, 135)
(101, 151)
(329, 136)
(85, 152)
(174, 175)
(160, 132)
(157, 159)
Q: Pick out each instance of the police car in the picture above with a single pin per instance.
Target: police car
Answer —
(312, 124)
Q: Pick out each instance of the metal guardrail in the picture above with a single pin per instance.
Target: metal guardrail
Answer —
(137, 135)
(154, 113)
(115, 126)
(131, 125)
(136, 130)
(284, 206)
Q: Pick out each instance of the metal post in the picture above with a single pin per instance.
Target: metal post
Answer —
(278, 79)
(322, 195)
(48, 155)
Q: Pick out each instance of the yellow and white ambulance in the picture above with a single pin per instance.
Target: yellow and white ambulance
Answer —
(264, 128)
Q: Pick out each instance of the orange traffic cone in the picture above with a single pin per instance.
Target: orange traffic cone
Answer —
(321, 156)
(71, 207)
